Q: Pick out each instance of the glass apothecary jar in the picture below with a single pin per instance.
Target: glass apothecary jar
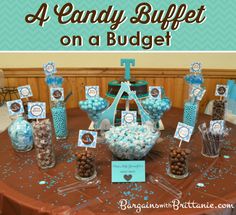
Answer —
(21, 134)
(43, 144)
(178, 162)
(190, 113)
(59, 117)
(85, 165)
(218, 111)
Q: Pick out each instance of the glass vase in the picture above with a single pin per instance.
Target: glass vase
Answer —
(43, 144)
(59, 117)
(178, 162)
(190, 113)
(85, 165)
(21, 134)
(218, 111)
(212, 142)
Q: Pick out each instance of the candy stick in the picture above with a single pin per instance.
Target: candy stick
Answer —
(127, 105)
(203, 129)
(68, 96)
(180, 143)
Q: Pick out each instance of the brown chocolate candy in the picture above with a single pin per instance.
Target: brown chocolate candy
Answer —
(218, 111)
(85, 164)
(178, 160)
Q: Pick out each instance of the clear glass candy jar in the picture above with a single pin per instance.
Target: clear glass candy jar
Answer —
(178, 162)
(85, 165)
(59, 117)
(21, 134)
(218, 111)
(190, 113)
(43, 144)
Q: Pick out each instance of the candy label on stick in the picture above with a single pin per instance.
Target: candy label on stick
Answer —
(197, 92)
(183, 132)
(25, 91)
(36, 110)
(217, 126)
(91, 91)
(128, 117)
(155, 92)
(15, 107)
(221, 90)
(49, 68)
(128, 171)
(87, 139)
(57, 94)
(196, 67)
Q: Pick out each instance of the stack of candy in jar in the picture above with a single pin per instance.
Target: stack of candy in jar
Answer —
(58, 108)
(43, 144)
(219, 105)
(191, 106)
(218, 111)
(156, 107)
(85, 165)
(131, 141)
(212, 141)
(178, 162)
(21, 133)
(59, 116)
(93, 106)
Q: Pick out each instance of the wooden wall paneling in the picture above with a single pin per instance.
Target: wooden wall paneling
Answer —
(159, 82)
(73, 100)
(34, 84)
(67, 88)
(76, 78)
(15, 82)
(169, 88)
(179, 92)
(81, 82)
(43, 92)
(150, 80)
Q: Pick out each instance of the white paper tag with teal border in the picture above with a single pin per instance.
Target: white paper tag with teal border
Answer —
(36, 110)
(155, 92)
(87, 139)
(49, 68)
(128, 171)
(15, 107)
(221, 90)
(57, 94)
(217, 126)
(197, 92)
(196, 67)
(25, 91)
(183, 132)
(91, 92)
(128, 117)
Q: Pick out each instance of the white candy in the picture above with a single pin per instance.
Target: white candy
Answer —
(131, 141)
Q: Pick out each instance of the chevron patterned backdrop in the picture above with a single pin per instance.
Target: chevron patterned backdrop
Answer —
(218, 32)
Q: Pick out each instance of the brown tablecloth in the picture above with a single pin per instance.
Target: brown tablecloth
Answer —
(22, 193)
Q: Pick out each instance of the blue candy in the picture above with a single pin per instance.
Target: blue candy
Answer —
(21, 133)
(60, 122)
(194, 79)
(156, 107)
(93, 107)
